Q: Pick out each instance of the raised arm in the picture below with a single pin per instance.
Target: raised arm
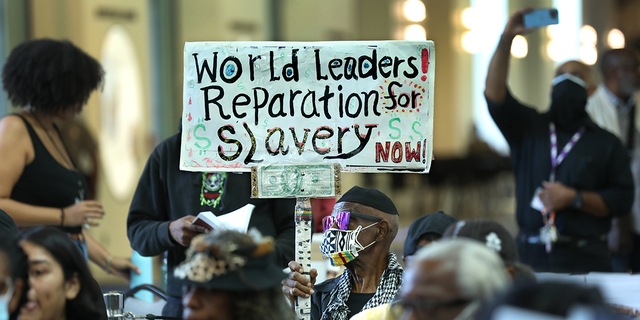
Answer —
(496, 82)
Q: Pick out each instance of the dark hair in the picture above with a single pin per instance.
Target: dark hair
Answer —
(86, 304)
(610, 59)
(267, 304)
(430, 236)
(16, 260)
(50, 75)
(15, 256)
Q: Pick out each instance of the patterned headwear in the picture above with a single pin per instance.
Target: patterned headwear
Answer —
(217, 260)
(490, 233)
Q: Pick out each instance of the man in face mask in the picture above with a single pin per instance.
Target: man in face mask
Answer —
(571, 175)
(358, 235)
(613, 108)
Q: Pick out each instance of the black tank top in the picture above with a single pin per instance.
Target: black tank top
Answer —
(46, 183)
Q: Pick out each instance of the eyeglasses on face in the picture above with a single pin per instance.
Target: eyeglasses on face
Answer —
(342, 220)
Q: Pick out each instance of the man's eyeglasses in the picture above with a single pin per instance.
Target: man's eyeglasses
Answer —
(342, 220)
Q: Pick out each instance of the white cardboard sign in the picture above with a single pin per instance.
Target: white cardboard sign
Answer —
(365, 105)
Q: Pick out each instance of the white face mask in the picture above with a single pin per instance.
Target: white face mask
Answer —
(4, 301)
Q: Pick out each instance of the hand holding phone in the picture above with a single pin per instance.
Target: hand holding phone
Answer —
(540, 18)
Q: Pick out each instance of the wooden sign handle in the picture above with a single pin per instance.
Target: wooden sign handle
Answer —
(303, 218)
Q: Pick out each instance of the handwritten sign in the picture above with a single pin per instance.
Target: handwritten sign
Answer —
(367, 106)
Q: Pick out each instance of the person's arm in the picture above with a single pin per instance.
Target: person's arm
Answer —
(512, 118)
(557, 196)
(118, 266)
(284, 219)
(149, 228)
(496, 82)
(15, 146)
(148, 220)
(615, 198)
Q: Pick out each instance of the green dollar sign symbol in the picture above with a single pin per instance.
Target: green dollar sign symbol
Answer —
(191, 85)
(282, 55)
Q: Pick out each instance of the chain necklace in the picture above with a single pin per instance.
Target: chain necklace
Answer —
(66, 159)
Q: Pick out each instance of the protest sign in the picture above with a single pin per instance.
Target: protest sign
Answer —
(367, 106)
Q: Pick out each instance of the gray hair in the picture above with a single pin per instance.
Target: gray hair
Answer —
(480, 272)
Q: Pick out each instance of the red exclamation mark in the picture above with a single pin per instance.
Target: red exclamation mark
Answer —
(425, 63)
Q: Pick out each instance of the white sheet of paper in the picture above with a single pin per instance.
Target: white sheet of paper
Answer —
(239, 219)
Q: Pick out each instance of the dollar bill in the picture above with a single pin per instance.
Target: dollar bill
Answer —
(296, 180)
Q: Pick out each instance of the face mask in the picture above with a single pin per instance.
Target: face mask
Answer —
(4, 302)
(342, 246)
(568, 102)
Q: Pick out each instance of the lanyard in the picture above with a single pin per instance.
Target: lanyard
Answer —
(555, 158)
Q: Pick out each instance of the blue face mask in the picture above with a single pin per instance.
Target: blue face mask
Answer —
(4, 301)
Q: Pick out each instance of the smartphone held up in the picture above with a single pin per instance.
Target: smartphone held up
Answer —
(540, 18)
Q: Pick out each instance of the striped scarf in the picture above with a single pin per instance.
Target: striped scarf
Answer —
(389, 286)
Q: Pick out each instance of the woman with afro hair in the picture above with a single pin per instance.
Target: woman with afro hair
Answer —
(39, 184)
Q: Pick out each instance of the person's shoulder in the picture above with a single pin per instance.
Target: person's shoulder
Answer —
(327, 285)
(13, 124)
(381, 312)
(603, 134)
(13, 131)
(169, 145)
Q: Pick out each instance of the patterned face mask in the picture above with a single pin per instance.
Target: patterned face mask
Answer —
(342, 246)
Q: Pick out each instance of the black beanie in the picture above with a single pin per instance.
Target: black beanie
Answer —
(371, 198)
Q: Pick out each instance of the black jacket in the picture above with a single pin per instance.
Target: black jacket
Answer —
(320, 298)
(165, 194)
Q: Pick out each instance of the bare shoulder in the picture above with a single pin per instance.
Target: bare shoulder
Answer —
(13, 131)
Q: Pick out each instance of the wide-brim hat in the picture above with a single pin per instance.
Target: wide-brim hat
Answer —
(215, 267)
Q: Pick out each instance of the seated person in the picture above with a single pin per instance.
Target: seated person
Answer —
(60, 284)
(497, 238)
(425, 230)
(12, 272)
(233, 276)
(8, 227)
(422, 232)
(450, 279)
(358, 235)
(552, 299)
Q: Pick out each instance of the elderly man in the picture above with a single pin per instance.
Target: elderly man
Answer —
(450, 279)
(572, 177)
(613, 108)
(358, 235)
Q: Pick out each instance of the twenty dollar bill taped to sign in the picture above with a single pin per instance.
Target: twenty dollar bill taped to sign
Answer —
(367, 106)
